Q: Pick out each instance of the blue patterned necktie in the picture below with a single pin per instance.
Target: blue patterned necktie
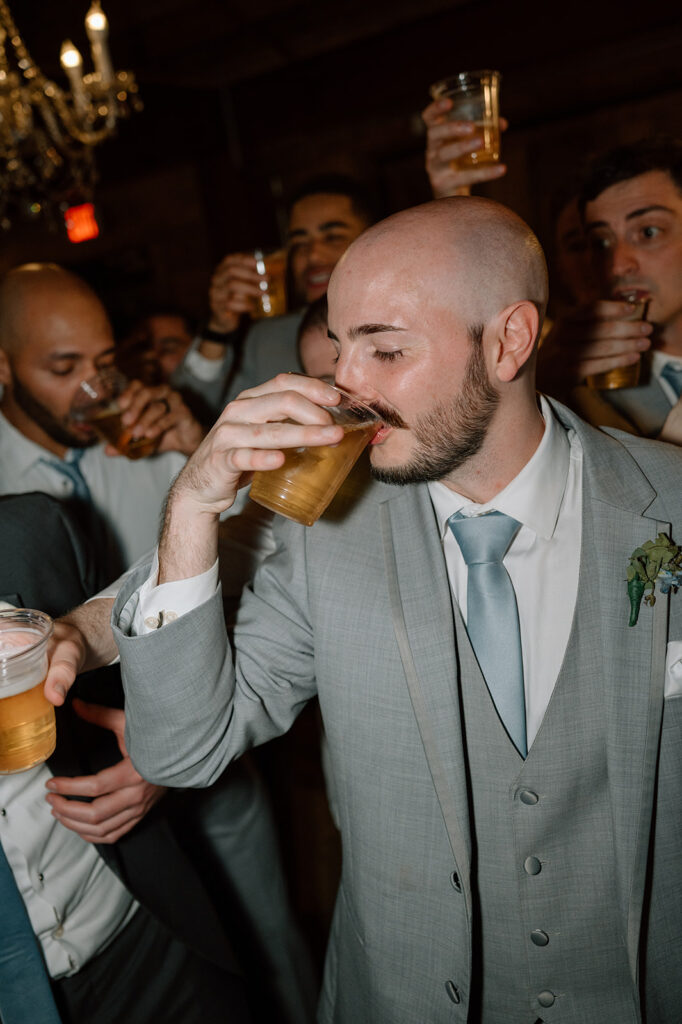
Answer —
(672, 373)
(25, 993)
(492, 614)
(70, 468)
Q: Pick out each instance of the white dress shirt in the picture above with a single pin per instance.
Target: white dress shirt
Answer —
(127, 494)
(75, 902)
(543, 560)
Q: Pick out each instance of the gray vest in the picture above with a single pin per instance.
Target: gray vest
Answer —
(550, 944)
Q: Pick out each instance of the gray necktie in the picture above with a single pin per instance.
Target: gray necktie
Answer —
(25, 992)
(492, 614)
(70, 468)
(673, 375)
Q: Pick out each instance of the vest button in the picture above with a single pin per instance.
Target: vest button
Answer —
(532, 866)
(527, 796)
(452, 991)
(546, 998)
(456, 884)
(539, 938)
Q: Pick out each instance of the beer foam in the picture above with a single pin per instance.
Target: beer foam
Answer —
(16, 673)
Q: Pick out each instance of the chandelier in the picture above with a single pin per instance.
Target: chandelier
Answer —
(47, 134)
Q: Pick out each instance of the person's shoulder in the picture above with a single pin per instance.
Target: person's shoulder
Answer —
(270, 330)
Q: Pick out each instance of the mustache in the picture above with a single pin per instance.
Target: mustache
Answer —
(390, 417)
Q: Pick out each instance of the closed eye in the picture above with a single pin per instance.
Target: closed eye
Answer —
(387, 357)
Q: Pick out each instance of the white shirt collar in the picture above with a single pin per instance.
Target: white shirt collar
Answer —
(535, 494)
(19, 454)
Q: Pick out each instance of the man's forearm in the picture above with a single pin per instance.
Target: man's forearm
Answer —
(189, 540)
(93, 621)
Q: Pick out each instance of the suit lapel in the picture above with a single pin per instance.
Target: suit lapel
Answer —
(619, 514)
(421, 608)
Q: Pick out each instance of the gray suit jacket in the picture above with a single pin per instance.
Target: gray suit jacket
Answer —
(270, 347)
(358, 610)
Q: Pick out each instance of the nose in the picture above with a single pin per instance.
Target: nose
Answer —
(351, 375)
(623, 261)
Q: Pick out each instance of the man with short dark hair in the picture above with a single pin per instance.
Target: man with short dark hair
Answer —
(631, 203)
(325, 215)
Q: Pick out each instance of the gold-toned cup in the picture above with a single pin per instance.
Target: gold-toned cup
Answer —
(622, 376)
(475, 97)
(27, 722)
(303, 487)
(272, 266)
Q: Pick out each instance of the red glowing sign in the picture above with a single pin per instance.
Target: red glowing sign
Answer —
(80, 222)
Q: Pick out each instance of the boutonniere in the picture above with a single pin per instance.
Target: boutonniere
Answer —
(657, 560)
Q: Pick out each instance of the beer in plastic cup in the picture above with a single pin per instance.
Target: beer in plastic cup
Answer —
(302, 488)
(96, 403)
(475, 97)
(27, 724)
(622, 376)
(272, 266)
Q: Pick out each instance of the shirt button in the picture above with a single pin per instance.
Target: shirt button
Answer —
(527, 796)
(532, 866)
(169, 616)
(58, 932)
(452, 991)
(41, 877)
(546, 998)
(152, 622)
(539, 938)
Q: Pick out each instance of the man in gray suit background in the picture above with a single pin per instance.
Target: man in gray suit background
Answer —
(631, 203)
(505, 749)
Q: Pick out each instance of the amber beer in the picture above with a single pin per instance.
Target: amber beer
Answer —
(96, 404)
(475, 97)
(27, 722)
(302, 488)
(273, 298)
(623, 376)
(107, 424)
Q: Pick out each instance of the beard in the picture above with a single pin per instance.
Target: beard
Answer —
(40, 414)
(452, 432)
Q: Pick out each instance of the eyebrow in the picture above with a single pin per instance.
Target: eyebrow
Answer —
(327, 226)
(632, 216)
(364, 330)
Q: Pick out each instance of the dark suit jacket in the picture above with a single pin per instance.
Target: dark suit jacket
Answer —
(47, 565)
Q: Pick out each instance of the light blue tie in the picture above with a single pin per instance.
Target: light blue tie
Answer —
(25, 993)
(492, 614)
(70, 467)
(673, 374)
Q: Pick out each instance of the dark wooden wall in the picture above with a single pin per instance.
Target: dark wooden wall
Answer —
(203, 169)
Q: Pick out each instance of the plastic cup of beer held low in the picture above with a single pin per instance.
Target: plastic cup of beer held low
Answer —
(272, 266)
(303, 487)
(96, 405)
(623, 376)
(475, 97)
(27, 724)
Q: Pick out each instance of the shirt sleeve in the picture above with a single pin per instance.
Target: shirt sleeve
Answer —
(159, 604)
(204, 369)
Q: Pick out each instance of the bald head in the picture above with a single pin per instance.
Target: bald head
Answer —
(479, 256)
(31, 293)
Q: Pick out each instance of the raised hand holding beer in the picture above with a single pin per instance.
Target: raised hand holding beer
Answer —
(252, 433)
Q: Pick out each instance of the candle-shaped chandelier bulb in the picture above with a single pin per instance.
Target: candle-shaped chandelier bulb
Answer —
(97, 28)
(72, 62)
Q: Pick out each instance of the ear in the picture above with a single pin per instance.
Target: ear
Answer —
(5, 370)
(516, 335)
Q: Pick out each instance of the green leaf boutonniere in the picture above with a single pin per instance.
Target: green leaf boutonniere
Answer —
(657, 560)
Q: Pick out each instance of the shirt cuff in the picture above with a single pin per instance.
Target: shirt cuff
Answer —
(159, 604)
(204, 369)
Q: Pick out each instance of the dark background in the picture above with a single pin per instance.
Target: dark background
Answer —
(245, 98)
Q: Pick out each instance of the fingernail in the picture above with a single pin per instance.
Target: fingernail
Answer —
(60, 690)
(50, 785)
